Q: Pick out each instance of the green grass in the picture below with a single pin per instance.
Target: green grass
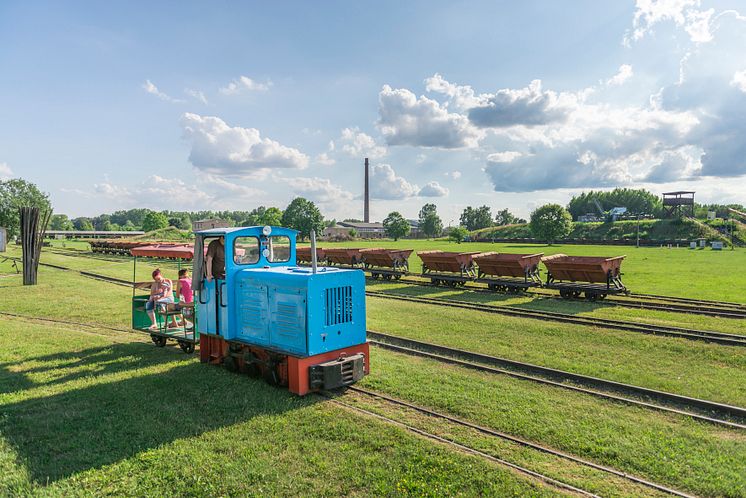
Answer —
(665, 448)
(88, 411)
(691, 368)
(92, 414)
(581, 308)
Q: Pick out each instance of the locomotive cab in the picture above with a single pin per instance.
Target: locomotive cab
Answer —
(296, 326)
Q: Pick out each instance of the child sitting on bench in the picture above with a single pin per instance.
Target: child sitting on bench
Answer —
(161, 293)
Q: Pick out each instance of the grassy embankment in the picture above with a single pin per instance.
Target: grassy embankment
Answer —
(652, 230)
(695, 456)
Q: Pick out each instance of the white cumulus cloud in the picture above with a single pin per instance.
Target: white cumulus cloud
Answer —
(386, 184)
(150, 88)
(320, 190)
(405, 119)
(460, 97)
(244, 83)
(221, 149)
(196, 94)
(529, 106)
(739, 80)
(433, 189)
(625, 72)
(685, 14)
(504, 157)
(359, 144)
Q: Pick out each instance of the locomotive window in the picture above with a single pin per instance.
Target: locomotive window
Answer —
(246, 250)
(279, 249)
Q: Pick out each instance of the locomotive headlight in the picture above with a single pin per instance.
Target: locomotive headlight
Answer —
(267, 230)
(265, 253)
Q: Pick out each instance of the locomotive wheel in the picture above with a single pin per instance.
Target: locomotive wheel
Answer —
(492, 287)
(602, 296)
(230, 364)
(187, 347)
(565, 294)
(158, 340)
(591, 296)
(576, 293)
(374, 276)
(435, 281)
(252, 369)
(387, 276)
(452, 283)
(397, 277)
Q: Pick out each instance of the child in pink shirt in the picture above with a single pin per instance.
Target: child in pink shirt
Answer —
(185, 286)
(185, 296)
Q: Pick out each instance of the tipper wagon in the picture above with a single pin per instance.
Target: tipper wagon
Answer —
(509, 272)
(596, 277)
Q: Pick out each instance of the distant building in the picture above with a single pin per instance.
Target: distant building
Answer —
(364, 230)
(200, 225)
(414, 230)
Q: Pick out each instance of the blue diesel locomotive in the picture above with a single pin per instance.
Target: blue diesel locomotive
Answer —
(299, 327)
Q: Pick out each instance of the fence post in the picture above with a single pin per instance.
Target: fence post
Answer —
(32, 236)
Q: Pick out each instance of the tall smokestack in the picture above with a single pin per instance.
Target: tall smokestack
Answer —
(366, 212)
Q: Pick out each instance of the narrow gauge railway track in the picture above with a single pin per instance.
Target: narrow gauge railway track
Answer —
(725, 309)
(496, 434)
(687, 300)
(703, 335)
(698, 409)
(731, 310)
(526, 371)
(644, 328)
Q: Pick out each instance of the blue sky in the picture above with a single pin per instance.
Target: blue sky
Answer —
(186, 105)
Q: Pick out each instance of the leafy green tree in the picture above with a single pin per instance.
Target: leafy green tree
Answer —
(550, 222)
(476, 218)
(303, 215)
(60, 222)
(129, 226)
(637, 201)
(457, 234)
(102, 222)
(396, 226)
(83, 223)
(182, 221)
(18, 193)
(505, 217)
(271, 216)
(154, 221)
(352, 233)
(430, 223)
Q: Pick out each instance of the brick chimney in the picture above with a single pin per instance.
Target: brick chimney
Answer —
(366, 211)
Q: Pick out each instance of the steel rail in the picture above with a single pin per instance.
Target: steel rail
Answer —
(560, 378)
(662, 330)
(517, 440)
(644, 328)
(462, 447)
(727, 311)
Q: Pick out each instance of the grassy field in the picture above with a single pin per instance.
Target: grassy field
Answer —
(88, 413)
(84, 409)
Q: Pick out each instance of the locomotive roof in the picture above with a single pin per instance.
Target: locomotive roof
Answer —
(227, 230)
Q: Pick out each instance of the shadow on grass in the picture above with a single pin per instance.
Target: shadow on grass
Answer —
(103, 360)
(70, 432)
